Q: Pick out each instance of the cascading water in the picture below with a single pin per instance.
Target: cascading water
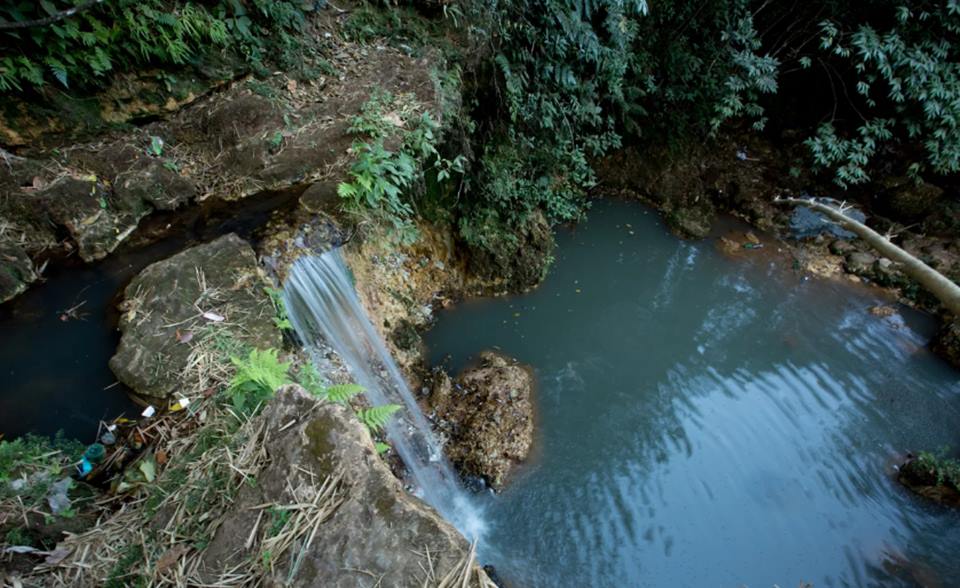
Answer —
(323, 306)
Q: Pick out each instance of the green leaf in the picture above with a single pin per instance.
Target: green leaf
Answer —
(377, 417)
(342, 393)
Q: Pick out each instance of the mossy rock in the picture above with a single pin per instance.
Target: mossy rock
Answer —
(515, 262)
(925, 478)
(16, 271)
(487, 416)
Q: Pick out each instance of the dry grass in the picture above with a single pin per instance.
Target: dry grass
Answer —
(465, 574)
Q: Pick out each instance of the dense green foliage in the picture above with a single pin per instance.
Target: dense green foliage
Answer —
(558, 83)
(907, 82)
(947, 469)
(575, 77)
(83, 50)
(382, 178)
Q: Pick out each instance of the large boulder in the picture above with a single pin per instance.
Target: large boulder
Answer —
(213, 285)
(487, 416)
(377, 534)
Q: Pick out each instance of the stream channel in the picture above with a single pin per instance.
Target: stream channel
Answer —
(57, 338)
(701, 420)
(708, 421)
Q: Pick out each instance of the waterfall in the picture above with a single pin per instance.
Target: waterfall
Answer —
(323, 306)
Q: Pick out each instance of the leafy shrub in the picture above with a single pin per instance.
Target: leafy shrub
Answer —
(907, 82)
(573, 76)
(947, 469)
(81, 50)
(383, 180)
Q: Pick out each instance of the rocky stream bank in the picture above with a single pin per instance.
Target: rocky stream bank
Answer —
(297, 495)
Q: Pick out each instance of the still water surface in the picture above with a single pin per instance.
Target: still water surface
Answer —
(705, 421)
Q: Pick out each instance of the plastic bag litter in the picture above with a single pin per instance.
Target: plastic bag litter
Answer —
(57, 497)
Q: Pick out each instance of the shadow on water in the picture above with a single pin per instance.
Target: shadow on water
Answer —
(56, 339)
(706, 421)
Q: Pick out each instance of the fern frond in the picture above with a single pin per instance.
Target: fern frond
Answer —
(261, 367)
(377, 417)
(342, 393)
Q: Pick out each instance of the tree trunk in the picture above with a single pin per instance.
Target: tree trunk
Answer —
(947, 292)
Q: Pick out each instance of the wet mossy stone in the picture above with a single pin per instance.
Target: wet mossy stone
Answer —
(220, 277)
(514, 262)
(947, 342)
(487, 416)
(16, 271)
(926, 479)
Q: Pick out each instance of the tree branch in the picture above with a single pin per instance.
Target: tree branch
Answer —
(39, 22)
(947, 292)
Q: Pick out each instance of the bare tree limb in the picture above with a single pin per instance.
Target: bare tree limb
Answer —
(39, 22)
(947, 292)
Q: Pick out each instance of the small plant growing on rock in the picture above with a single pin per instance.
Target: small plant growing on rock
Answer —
(282, 320)
(946, 469)
(258, 376)
(374, 418)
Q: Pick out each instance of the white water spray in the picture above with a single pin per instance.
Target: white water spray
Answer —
(323, 306)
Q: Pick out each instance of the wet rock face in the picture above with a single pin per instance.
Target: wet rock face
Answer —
(486, 414)
(220, 278)
(947, 342)
(908, 201)
(249, 137)
(378, 531)
(514, 265)
(16, 271)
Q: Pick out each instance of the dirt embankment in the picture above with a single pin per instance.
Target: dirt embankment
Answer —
(245, 136)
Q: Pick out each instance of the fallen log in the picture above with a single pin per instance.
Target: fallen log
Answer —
(944, 289)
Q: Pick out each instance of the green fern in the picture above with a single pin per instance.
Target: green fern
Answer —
(282, 319)
(375, 418)
(81, 49)
(257, 378)
(342, 393)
